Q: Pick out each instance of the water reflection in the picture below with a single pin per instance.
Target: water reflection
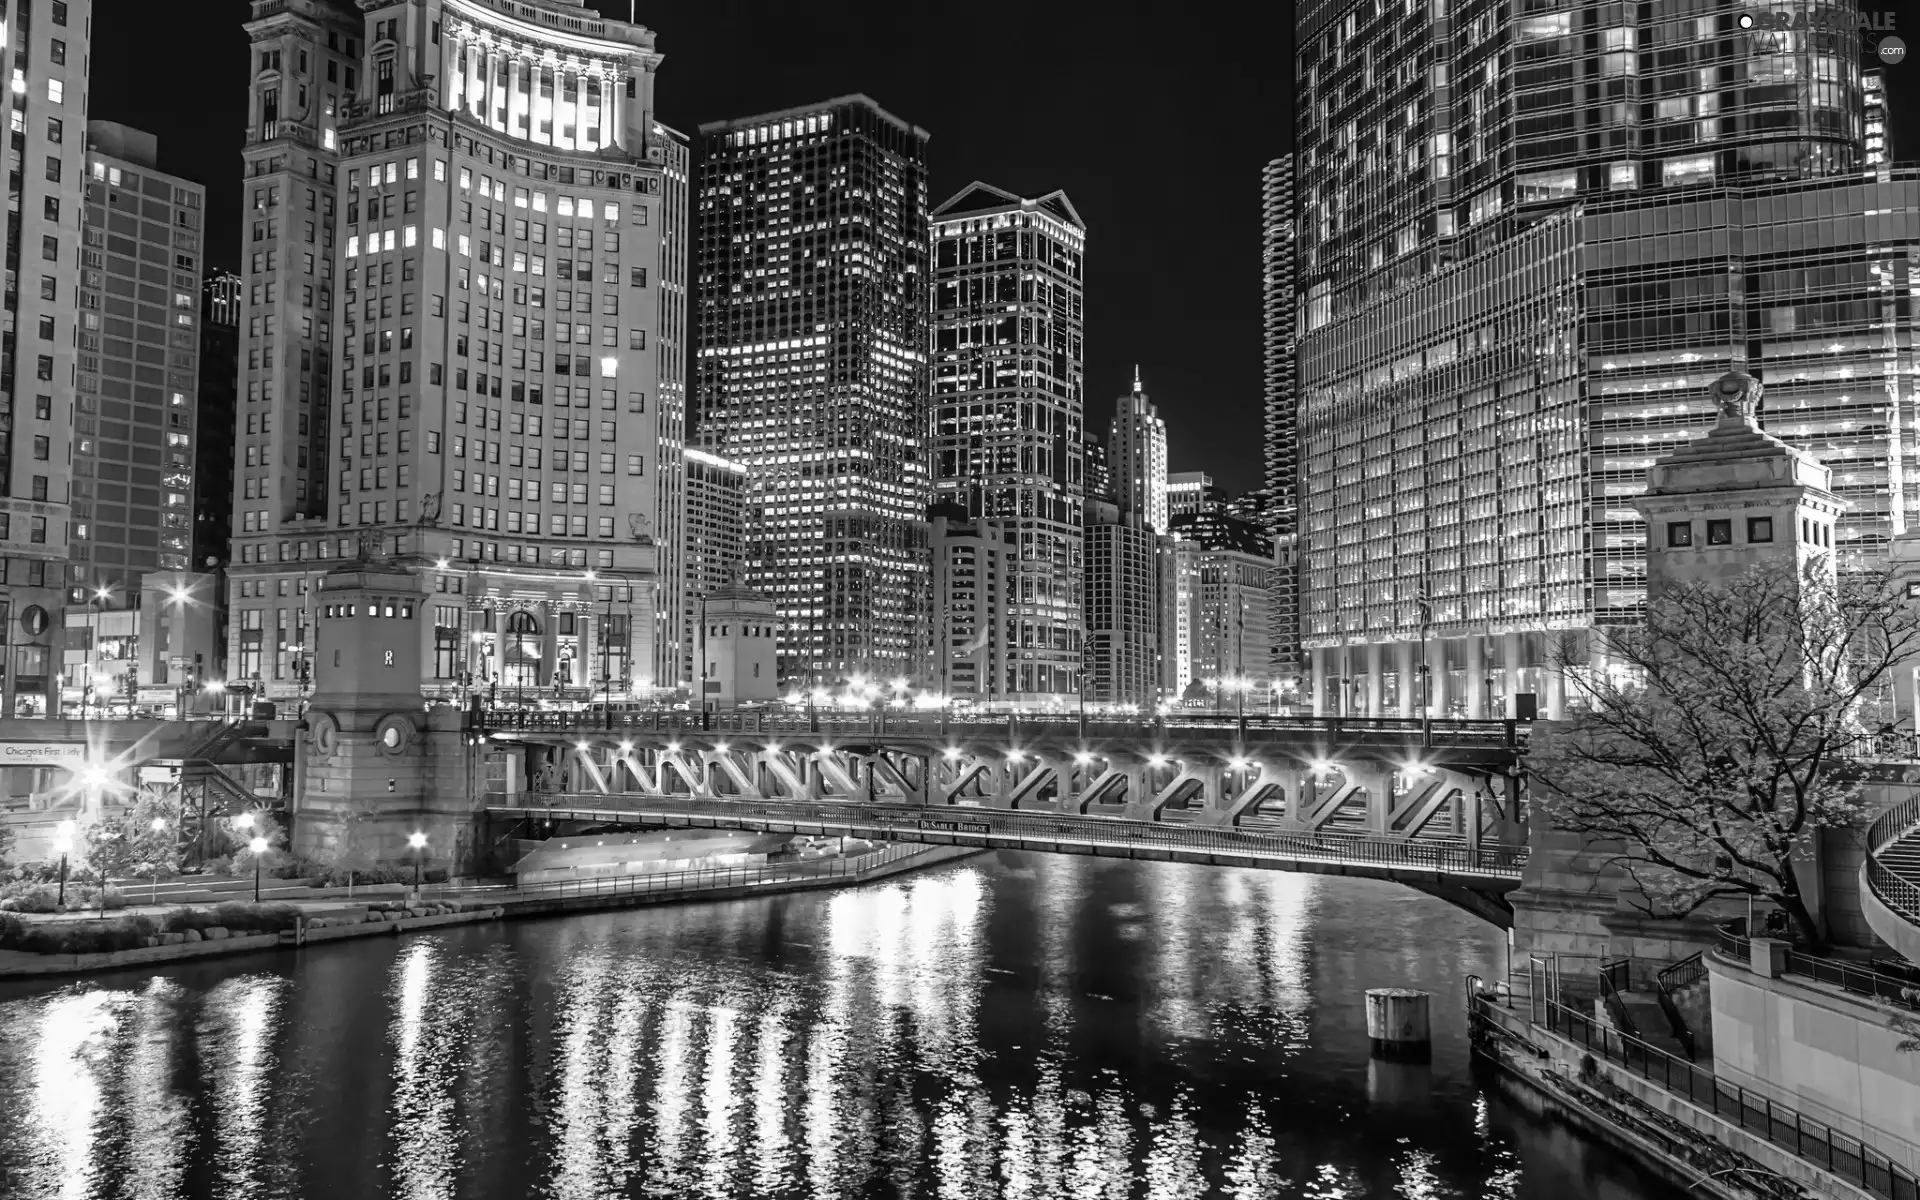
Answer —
(1015, 1026)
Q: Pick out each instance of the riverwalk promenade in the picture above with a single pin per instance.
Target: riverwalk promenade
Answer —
(332, 914)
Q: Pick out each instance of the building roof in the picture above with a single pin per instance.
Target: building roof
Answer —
(803, 110)
(1736, 452)
(978, 197)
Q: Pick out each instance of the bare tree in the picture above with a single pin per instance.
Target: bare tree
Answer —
(1727, 731)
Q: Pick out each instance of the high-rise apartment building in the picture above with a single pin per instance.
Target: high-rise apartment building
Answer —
(1483, 380)
(133, 460)
(1137, 456)
(1277, 334)
(1123, 609)
(714, 553)
(464, 325)
(812, 315)
(220, 305)
(1008, 409)
(1278, 228)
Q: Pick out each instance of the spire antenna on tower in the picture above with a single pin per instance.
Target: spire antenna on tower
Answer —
(1136, 379)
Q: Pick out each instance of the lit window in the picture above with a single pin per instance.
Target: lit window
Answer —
(56, 90)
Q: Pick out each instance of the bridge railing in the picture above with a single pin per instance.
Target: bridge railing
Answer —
(1450, 733)
(1436, 856)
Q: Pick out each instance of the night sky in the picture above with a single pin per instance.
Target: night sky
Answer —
(1154, 117)
(1155, 120)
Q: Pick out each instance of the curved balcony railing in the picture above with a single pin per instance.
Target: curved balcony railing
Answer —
(1900, 896)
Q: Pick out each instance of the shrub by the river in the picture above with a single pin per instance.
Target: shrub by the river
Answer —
(12, 929)
(88, 937)
(36, 899)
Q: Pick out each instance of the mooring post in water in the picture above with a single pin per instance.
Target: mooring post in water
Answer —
(1397, 1022)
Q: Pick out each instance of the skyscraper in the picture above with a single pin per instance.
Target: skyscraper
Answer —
(45, 54)
(1123, 608)
(1008, 410)
(462, 246)
(811, 304)
(1483, 377)
(1137, 456)
(1278, 226)
(134, 469)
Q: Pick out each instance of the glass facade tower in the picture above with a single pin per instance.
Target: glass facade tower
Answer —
(1530, 237)
(812, 313)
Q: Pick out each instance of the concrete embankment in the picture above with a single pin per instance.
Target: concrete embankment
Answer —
(341, 923)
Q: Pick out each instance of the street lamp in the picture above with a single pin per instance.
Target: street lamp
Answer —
(159, 825)
(63, 842)
(418, 841)
(259, 847)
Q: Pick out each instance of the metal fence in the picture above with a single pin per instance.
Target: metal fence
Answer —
(1436, 856)
(1850, 977)
(1807, 1139)
(1462, 733)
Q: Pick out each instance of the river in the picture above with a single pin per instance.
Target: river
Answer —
(1016, 1025)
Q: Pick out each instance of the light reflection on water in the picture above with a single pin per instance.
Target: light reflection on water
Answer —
(1012, 1026)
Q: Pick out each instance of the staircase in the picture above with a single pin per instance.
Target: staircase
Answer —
(1634, 1002)
(1890, 878)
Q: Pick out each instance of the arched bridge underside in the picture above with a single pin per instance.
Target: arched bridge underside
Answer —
(1445, 819)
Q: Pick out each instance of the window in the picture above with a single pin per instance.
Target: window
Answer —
(1720, 533)
(634, 464)
(50, 248)
(46, 329)
(59, 53)
(42, 448)
(59, 12)
(1759, 529)
(1680, 533)
(56, 90)
(54, 129)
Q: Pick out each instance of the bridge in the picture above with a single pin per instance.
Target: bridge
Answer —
(1436, 805)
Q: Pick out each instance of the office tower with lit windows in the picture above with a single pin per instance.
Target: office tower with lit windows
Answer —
(48, 248)
(1191, 492)
(220, 303)
(1123, 608)
(1093, 462)
(1484, 371)
(1137, 456)
(974, 565)
(1008, 410)
(714, 554)
(1221, 626)
(465, 254)
(811, 317)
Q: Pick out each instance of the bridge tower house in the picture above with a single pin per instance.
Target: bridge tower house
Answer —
(375, 764)
(1714, 508)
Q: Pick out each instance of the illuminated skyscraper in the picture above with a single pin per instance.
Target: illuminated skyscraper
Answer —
(812, 317)
(1137, 456)
(1485, 370)
(464, 254)
(1008, 405)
